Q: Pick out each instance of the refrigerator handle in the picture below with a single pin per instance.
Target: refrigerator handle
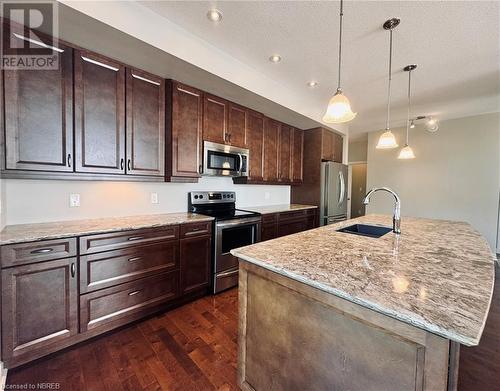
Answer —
(327, 181)
(342, 187)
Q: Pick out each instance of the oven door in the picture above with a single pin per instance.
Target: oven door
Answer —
(229, 235)
(224, 160)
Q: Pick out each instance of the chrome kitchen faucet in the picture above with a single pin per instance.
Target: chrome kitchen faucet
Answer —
(396, 218)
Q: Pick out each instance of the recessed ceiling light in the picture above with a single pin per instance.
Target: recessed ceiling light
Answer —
(275, 58)
(312, 84)
(214, 15)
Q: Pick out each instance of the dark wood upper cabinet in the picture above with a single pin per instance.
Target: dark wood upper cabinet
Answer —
(271, 138)
(39, 307)
(145, 123)
(297, 156)
(237, 126)
(215, 116)
(195, 260)
(332, 146)
(38, 117)
(99, 114)
(184, 131)
(285, 153)
(255, 137)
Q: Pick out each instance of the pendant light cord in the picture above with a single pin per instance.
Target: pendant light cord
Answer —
(409, 107)
(389, 86)
(340, 40)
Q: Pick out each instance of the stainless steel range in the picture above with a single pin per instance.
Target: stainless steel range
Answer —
(233, 228)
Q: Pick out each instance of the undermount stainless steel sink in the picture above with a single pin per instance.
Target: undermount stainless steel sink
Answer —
(373, 231)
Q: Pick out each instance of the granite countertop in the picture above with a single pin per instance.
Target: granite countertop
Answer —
(277, 208)
(62, 229)
(437, 275)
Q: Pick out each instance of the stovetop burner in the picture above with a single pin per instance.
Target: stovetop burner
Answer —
(220, 205)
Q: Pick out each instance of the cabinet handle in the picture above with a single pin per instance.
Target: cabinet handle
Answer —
(42, 251)
(134, 292)
(132, 238)
(128, 165)
(200, 169)
(73, 270)
(69, 159)
(134, 259)
(122, 162)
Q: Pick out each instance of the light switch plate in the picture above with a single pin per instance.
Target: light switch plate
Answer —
(74, 200)
(154, 198)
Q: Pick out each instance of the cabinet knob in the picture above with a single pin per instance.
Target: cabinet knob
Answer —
(128, 165)
(122, 162)
(73, 270)
(69, 159)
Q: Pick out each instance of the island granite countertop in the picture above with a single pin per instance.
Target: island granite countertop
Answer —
(437, 275)
(21, 233)
(268, 209)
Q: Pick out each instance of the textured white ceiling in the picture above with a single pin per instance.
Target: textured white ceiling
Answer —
(455, 44)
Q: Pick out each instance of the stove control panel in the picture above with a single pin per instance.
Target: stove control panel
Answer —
(211, 197)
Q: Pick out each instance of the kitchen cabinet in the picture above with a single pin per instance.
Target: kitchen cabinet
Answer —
(38, 117)
(269, 227)
(237, 126)
(297, 156)
(215, 116)
(99, 114)
(285, 154)
(39, 308)
(145, 104)
(255, 137)
(271, 140)
(195, 260)
(332, 146)
(275, 225)
(184, 132)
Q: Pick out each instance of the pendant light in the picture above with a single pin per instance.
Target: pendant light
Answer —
(407, 152)
(387, 139)
(339, 108)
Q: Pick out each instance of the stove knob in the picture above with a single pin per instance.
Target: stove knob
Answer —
(232, 195)
(195, 197)
(201, 196)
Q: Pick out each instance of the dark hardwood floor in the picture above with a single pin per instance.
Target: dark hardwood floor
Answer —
(194, 347)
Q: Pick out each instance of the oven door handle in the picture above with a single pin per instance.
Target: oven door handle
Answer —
(228, 274)
(243, 221)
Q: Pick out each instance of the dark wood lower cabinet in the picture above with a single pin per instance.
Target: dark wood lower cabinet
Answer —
(195, 257)
(275, 225)
(114, 278)
(39, 308)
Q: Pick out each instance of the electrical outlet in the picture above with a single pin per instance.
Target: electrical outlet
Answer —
(154, 198)
(267, 195)
(74, 200)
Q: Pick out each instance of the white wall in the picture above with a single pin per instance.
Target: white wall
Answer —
(455, 176)
(31, 201)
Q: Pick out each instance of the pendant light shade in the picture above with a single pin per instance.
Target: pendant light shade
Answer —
(406, 153)
(339, 107)
(387, 139)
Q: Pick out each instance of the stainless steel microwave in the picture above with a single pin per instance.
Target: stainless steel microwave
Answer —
(224, 160)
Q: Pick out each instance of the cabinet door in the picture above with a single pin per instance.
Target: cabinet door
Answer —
(297, 156)
(99, 114)
(39, 117)
(268, 231)
(271, 135)
(327, 145)
(255, 137)
(195, 257)
(39, 306)
(288, 227)
(237, 126)
(338, 146)
(145, 124)
(215, 119)
(185, 131)
(285, 154)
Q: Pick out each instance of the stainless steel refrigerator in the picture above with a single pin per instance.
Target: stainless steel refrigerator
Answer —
(333, 207)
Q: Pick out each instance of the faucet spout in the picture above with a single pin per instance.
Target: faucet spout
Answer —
(396, 219)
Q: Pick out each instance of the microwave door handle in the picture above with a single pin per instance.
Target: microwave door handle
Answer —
(241, 163)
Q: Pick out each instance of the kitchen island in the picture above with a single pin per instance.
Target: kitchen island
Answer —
(323, 309)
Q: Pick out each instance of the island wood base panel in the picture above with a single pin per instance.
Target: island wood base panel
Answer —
(295, 337)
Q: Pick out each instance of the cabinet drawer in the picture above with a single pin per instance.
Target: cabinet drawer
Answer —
(111, 268)
(195, 229)
(311, 212)
(269, 218)
(292, 215)
(117, 304)
(118, 240)
(292, 227)
(269, 231)
(25, 253)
